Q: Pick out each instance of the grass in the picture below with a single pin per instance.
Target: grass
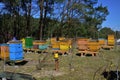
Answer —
(71, 67)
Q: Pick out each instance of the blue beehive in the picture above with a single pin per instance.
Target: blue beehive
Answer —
(15, 50)
(43, 46)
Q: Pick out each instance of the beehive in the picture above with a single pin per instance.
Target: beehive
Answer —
(93, 46)
(23, 42)
(28, 42)
(38, 42)
(111, 40)
(41, 44)
(82, 44)
(61, 38)
(70, 41)
(64, 45)
(52, 40)
(16, 50)
(102, 42)
(56, 45)
(4, 51)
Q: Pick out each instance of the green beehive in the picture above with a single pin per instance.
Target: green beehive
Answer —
(28, 42)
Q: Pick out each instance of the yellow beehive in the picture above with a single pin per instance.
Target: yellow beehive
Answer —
(23, 42)
(64, 45)
(61, 38)
(70, 42)
(93, 46)
(111, 40)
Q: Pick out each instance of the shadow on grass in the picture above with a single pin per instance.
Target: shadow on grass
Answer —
(15, 76)
(86, 55)
(111, 75)
(106, 48)
(21, 63)
(78, 54)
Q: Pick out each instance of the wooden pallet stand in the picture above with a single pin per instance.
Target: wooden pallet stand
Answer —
(84, 53)
(35, 50)
(60, 51)
(107, 47)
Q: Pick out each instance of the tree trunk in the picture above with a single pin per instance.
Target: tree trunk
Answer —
(28, 11)
(14, 26)
(45, 17)
(41, 20)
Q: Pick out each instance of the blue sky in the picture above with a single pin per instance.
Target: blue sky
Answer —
(113, 19)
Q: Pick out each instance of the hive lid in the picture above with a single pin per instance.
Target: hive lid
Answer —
(17, 41)
(3, 44)
(14, 40)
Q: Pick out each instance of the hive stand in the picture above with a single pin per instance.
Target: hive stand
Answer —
(84, 53)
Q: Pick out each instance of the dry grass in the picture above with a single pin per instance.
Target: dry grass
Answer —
(71, 67)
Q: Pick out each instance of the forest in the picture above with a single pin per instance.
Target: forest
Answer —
(42, 19)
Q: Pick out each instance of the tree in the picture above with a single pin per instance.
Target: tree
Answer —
(80, 16)
(26, 7)
(68, 18)
(117, 34)
(5, 31)
(12, 8)
(46, 8)
(20, 15)
(104, 32)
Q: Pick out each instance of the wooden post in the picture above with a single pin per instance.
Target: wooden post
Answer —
(56, 61)
(56, 64)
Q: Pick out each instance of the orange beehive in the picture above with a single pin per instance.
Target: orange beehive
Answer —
(56, 45)
(70, 41)
(52, 40)
(93, 46)
(4, 51)
(102, 42)
(38, 42)
(82, 43)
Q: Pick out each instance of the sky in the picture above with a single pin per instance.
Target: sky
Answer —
(113, 19)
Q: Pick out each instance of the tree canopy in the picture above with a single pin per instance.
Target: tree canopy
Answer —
(50, 18)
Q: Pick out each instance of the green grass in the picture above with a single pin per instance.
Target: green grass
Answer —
(71, 67)
(87, 68)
